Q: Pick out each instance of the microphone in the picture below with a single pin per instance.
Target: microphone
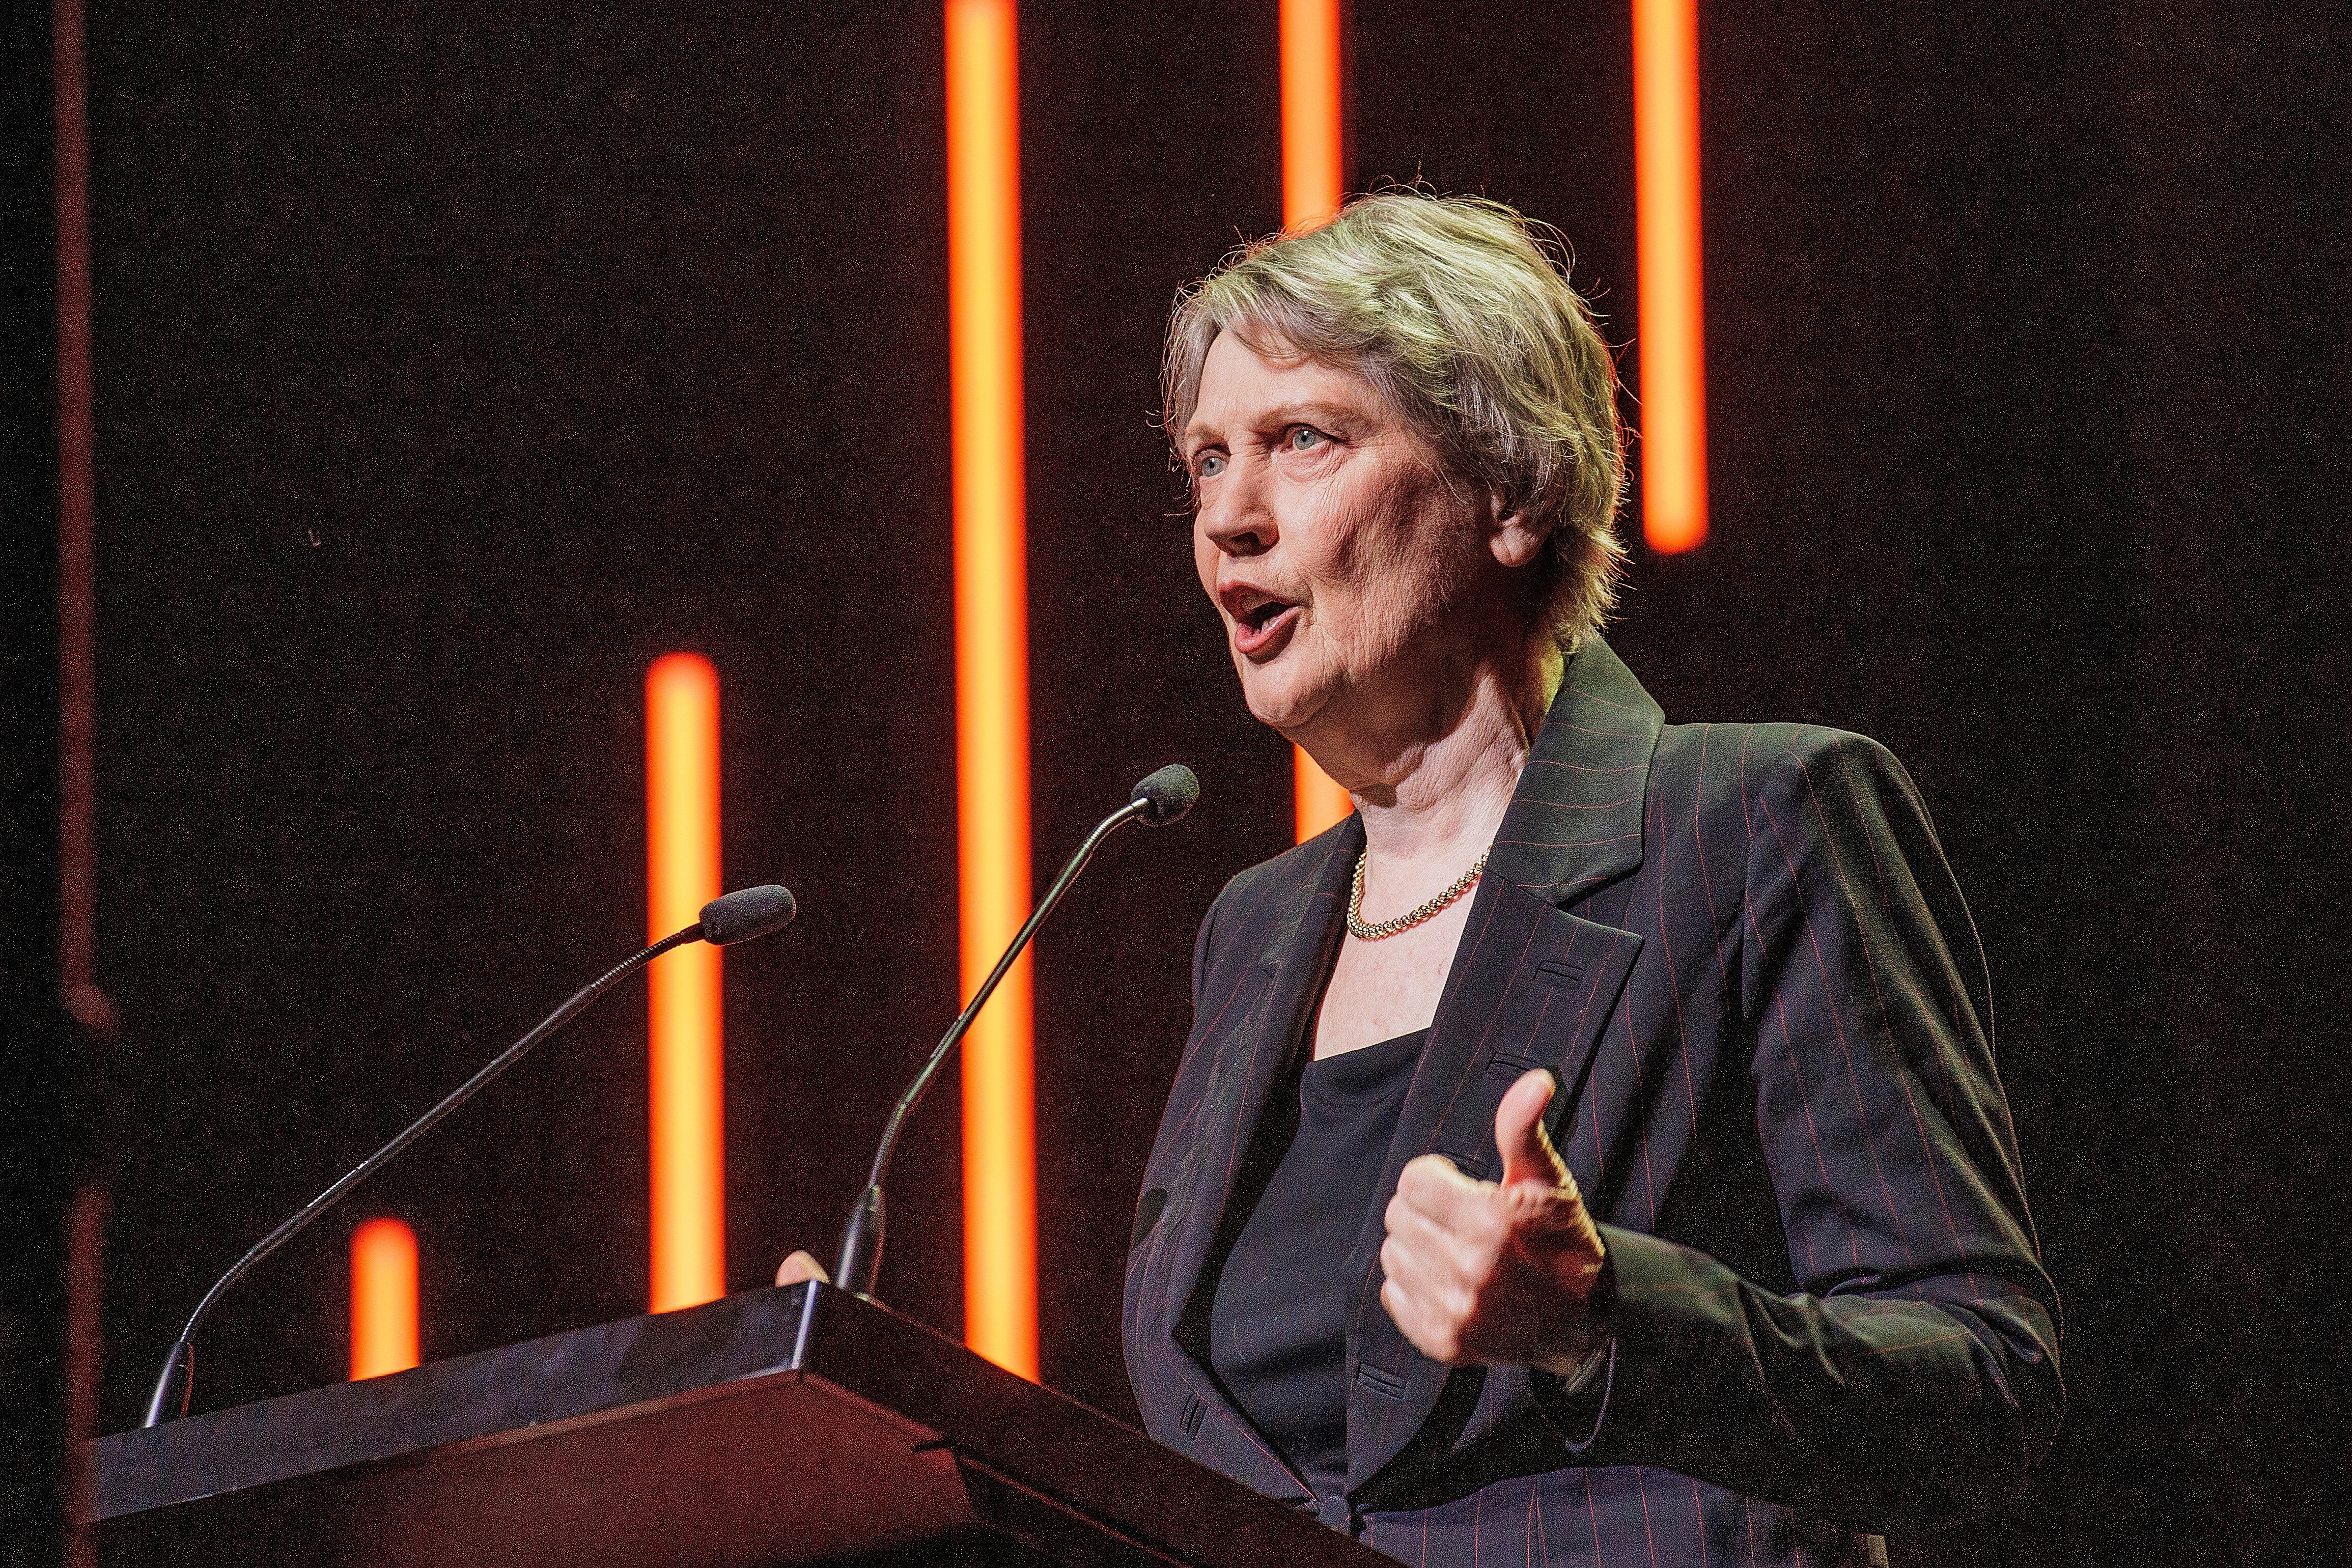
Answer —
(739, 916)
(1155, 802)
(1168, 793)
(747, 914)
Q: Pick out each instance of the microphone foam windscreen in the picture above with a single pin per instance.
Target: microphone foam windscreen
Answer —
(746, 912)
(1169, 794)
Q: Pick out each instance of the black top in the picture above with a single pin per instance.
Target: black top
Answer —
(1279, 1331)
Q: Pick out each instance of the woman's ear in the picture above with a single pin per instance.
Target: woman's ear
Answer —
(1510, 534)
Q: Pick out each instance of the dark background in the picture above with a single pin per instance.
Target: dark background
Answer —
(456, 361)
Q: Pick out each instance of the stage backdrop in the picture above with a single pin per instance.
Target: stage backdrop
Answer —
(454, 362)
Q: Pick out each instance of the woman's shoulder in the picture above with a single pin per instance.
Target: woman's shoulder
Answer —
(1806, 775)
(1766, 754)
(1696, 762)
(1272, 881)
(1258, 897)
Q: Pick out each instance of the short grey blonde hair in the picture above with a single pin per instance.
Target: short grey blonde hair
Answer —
(1460, 313)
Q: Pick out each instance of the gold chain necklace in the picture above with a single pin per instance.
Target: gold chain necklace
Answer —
(1411, 917)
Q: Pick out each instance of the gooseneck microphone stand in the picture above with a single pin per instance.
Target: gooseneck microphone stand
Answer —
(1158, 800)
(751, 913)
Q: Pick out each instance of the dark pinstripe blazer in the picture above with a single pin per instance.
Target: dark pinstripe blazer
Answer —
(1741, 953)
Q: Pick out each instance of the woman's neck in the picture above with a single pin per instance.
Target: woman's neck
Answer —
(1432, 783)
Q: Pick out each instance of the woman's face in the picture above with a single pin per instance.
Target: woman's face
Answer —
(1328, 539)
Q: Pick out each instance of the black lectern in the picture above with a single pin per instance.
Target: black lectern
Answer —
(776, 1426)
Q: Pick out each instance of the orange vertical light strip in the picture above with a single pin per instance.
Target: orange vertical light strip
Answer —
(1313, 182)
(383, 1299)
(1667, 207)
(991, 632)
(1312, 178)
(690, 1239)
(1316, 801)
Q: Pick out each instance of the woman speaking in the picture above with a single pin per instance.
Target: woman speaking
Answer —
(1591, 1150)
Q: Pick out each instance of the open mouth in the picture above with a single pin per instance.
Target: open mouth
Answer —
(1260, 620)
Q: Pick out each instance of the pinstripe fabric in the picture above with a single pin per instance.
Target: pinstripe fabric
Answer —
(1740, 952)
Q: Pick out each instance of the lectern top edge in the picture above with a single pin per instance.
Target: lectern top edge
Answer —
(790, 1424)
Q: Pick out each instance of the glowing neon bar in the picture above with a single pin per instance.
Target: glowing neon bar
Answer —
(1674, 348)
(1313, 182)
(383, 1299)
(1318, 802)
(1312, 178)
(689, 1235)
(991, 632)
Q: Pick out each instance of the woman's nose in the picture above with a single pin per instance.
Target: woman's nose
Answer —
(1236, 517)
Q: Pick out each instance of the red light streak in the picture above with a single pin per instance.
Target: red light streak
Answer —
(686, 1057)
(1673, 346)
(991, 639)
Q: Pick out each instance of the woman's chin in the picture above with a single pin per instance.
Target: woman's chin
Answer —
(1280, 705)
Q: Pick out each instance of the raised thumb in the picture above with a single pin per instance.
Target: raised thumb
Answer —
(1527, 1154)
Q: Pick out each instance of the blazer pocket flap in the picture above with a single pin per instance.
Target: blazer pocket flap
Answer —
(1555, 1007)
(1588, 1000)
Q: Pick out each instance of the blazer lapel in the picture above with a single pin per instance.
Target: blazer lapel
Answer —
(1289, 966)
(1575, 821)
(1531, 985)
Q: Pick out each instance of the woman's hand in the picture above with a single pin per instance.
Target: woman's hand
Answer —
(1496, 1271)
(798, 1267)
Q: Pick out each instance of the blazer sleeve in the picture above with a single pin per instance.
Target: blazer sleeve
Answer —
(1912, 1379)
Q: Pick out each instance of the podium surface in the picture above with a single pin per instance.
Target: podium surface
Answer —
(789, 1425)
